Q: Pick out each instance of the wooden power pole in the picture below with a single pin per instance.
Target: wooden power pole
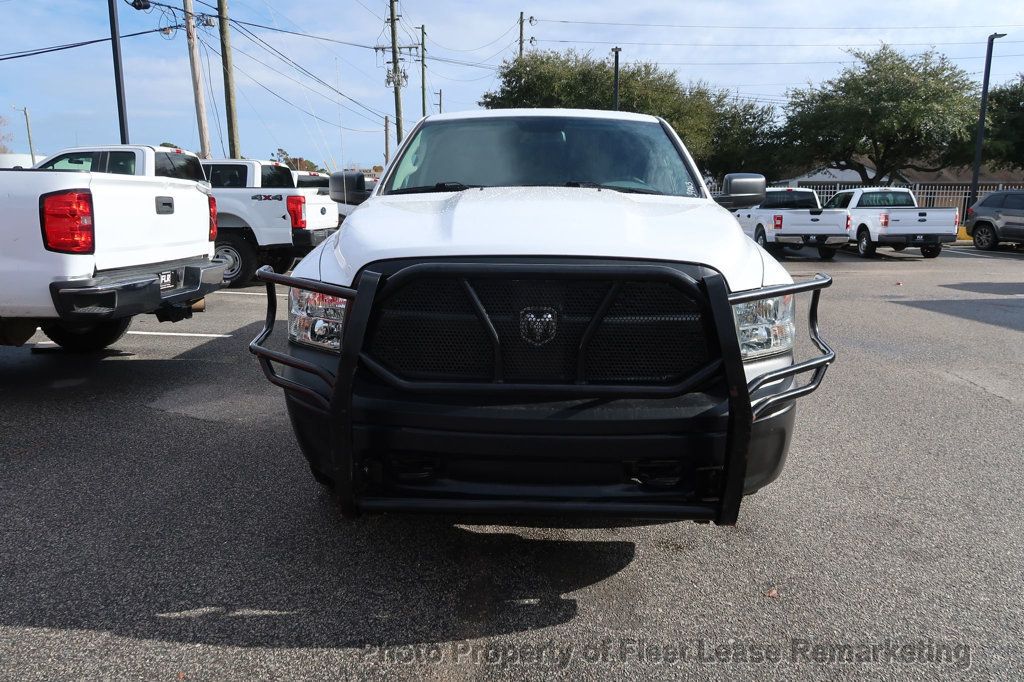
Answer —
(423, 67)
(396, 74)
(234, 150)
(387, 140)
(197, 80)
(520, 35)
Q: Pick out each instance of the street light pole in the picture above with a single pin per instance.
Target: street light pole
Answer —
(980, 139)
(28, 130)
(615, 93)
(115, 44)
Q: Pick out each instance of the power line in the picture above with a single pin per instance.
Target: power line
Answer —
(475, 49)
(285, 100)
(760, 63)
(67, 46)
(534, 20)
(762, 45)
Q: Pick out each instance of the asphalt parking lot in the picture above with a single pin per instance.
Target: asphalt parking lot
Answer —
(158, 522)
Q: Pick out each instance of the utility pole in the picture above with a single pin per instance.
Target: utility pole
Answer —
(615, 89)
(115, 46)
(396, 75)
(520, 35)
(387, 140)
(28, 130)
(440, 101)
(234, 150)
(980, 140)
(197, 79)
(423, 67)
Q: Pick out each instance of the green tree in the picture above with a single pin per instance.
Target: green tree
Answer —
(747, 139)
(573, 80)
(895, 111)
(1005, 136)
(295, 162)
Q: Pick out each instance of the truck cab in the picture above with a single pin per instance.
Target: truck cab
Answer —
(264, 218)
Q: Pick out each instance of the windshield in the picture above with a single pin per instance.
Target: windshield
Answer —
(546, 151)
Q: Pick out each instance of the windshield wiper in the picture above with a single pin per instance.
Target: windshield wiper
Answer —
(437, 187)
(616, 188)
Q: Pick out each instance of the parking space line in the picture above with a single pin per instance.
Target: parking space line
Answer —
(204, 336)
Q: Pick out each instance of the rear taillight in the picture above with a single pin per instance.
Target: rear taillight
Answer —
(883, 220)
(297, 211)
(213, 218)
(849, 222)
(970, 211)
(956, 218)
(66, 218)
(777, 222)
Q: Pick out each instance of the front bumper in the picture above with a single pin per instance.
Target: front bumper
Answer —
(305, 241)
(686, 451)
(835, 240)
(126, 292)
(916, 239)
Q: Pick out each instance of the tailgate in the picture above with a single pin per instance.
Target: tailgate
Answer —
(818, 222)
(321, 210)
(142, 220)
(920, 220)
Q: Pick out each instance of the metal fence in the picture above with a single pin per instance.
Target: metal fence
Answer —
(929, 195)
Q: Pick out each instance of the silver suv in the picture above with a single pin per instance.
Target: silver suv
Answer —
(999, 217)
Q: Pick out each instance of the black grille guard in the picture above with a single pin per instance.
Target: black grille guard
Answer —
(711, 293)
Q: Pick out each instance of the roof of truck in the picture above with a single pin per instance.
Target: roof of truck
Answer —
(575, 113)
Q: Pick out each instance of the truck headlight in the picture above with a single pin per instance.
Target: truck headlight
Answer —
(765, 327)
(316, 319)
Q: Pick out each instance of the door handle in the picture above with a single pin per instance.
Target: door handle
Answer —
(814, 220)
(164, 205)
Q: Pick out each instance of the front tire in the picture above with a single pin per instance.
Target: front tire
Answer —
(240, 257)
(985, 237)
(826, 253)
(760, 238)
(931, 251)
(89, 337)
(865, 247)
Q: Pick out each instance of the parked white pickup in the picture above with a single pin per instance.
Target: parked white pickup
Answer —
(890, 216)
(792, 217)
(93, 237)
(263, 217)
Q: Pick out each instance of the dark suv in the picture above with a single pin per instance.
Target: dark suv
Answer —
(999, 217)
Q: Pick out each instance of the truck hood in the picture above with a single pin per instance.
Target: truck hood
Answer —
(547, 221)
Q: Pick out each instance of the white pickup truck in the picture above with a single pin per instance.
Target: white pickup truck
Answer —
(543, 311)
(263, 217)
(889, 216)
(96, 236)
(790, 216)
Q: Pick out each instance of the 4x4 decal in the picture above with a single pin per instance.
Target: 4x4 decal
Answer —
(266, 197)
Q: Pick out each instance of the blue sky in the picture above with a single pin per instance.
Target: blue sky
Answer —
(70, 94)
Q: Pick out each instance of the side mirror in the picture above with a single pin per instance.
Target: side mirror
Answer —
(349, 187)
(742, 190)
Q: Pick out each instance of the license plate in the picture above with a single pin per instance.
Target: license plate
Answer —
(169, 279)
(919, 237)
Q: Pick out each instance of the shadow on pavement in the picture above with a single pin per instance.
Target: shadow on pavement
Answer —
(1003, 312)
(121, 516)
(995, 288)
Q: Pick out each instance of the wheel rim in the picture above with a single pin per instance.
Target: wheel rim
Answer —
(862, 244)
(761, 240)
(229, 255)
(983, 237)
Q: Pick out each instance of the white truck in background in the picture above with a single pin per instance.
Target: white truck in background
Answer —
(791, 216)
(890, 216)
(94, 236)
(316, 185)
(263, 218)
